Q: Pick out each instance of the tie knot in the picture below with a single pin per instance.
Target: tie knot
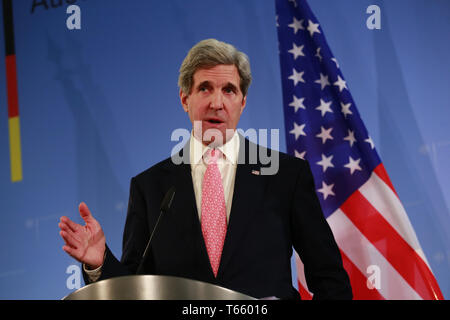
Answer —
(212, 155)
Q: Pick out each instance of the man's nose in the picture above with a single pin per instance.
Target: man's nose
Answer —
(216, 101)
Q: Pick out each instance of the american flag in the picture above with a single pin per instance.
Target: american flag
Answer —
(379, 247)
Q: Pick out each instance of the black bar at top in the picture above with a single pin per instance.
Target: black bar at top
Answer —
(8, 27)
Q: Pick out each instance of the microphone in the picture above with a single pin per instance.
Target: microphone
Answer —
(165, 206)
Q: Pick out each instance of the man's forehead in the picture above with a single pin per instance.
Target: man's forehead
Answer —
(221, 73)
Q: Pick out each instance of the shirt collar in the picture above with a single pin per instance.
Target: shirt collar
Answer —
(230, 149)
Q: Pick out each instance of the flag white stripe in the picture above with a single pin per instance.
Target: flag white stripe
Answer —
(363, 254)
(300, 271)
(386, 202)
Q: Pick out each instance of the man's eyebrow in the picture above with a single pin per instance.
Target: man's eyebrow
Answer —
(230, 85)
(204, 83)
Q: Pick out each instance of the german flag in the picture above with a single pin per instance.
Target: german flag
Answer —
(13, 98)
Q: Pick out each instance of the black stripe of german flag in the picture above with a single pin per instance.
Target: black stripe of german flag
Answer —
(8, 27)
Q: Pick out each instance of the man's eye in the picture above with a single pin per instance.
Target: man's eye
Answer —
(203, 89)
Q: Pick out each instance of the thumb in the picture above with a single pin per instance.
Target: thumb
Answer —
(85, 213)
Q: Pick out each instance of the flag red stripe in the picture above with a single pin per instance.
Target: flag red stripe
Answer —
(11, 84)
(359, 282)
(380, 171)
(391, 245)
(303, 292)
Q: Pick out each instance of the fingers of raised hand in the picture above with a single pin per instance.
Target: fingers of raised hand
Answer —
(85, 213)
(70, 238)
(69, 224)
(72, 233)
(69, 250)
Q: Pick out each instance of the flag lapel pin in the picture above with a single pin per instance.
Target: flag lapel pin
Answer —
(256, 172)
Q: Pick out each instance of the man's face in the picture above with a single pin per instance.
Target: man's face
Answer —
(215, 101)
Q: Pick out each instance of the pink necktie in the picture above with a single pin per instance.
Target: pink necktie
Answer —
(214, 216)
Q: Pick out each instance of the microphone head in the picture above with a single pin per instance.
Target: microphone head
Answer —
(168, 198)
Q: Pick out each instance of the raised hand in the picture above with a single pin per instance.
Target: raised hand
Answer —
(84, 243)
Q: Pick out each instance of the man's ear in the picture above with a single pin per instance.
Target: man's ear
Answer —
(244, 102)
(183, 98)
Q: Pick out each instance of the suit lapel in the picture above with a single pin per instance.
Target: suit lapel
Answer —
(247, 196)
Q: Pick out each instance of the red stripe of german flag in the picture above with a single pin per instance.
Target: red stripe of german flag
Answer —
(13, 97)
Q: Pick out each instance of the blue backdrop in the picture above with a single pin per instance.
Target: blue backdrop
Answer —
(98, 105)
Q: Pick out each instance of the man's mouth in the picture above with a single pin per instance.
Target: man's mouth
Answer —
(214, 120)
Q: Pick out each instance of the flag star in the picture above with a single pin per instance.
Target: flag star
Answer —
(335, 61)
(318, 53)
(325, 134)
(300, 155)
(313, 27)
(353, 165)
(323, 81)
(297, 51)
(296, 25)
(276, 21)
(297, 103)
(345, 108)
(326, 190)
(297, 76)
(324, 107)
(370, 141)
(341, 84)
(350, 138)
(298, 130)
(326, 162)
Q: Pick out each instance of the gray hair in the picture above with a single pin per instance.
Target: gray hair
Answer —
(210, 53)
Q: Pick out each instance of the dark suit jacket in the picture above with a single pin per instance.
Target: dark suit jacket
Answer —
(269, 215)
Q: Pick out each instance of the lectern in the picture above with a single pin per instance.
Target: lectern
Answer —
(153, 287)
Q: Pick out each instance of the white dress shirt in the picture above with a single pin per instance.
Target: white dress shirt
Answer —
(227, 167)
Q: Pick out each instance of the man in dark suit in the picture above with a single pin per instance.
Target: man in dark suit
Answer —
(230, 223)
